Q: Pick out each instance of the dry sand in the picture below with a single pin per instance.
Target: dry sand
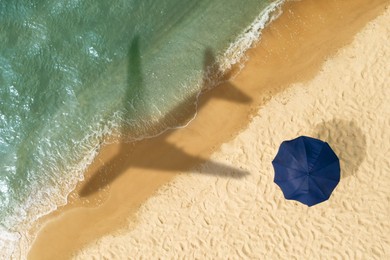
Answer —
(229, 205)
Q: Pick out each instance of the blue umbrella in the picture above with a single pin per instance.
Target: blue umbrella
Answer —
(306, 169)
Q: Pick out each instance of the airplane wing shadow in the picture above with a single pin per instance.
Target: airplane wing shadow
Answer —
(168, 157)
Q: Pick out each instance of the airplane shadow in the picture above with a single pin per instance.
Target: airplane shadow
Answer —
(169, 157)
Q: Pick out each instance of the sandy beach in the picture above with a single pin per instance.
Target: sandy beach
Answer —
(206, 190)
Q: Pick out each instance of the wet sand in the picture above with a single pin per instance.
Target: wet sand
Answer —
(124, 176)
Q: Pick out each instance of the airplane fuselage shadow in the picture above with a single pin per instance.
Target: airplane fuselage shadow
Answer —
(131, 157)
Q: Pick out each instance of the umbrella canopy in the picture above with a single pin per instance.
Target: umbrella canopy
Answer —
(306, 169)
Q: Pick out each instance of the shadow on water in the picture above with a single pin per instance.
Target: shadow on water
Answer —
(133, 155)
(348, 142)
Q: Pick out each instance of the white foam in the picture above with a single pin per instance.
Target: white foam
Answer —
(236, 51)
(15, 243)
(8, 240)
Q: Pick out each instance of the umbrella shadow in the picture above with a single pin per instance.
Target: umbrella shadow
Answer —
(132, 156)
(348, 142)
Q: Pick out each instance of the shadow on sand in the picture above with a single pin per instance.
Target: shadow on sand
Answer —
(348, 142)
(132, 155)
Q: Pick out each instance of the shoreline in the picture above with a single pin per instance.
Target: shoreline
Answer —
(142, 183)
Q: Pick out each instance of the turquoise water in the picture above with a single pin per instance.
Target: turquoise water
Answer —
(72, 72)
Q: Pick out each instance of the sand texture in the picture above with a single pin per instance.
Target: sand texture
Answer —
(204, 216)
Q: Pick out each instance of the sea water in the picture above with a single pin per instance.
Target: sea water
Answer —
(73, 72)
